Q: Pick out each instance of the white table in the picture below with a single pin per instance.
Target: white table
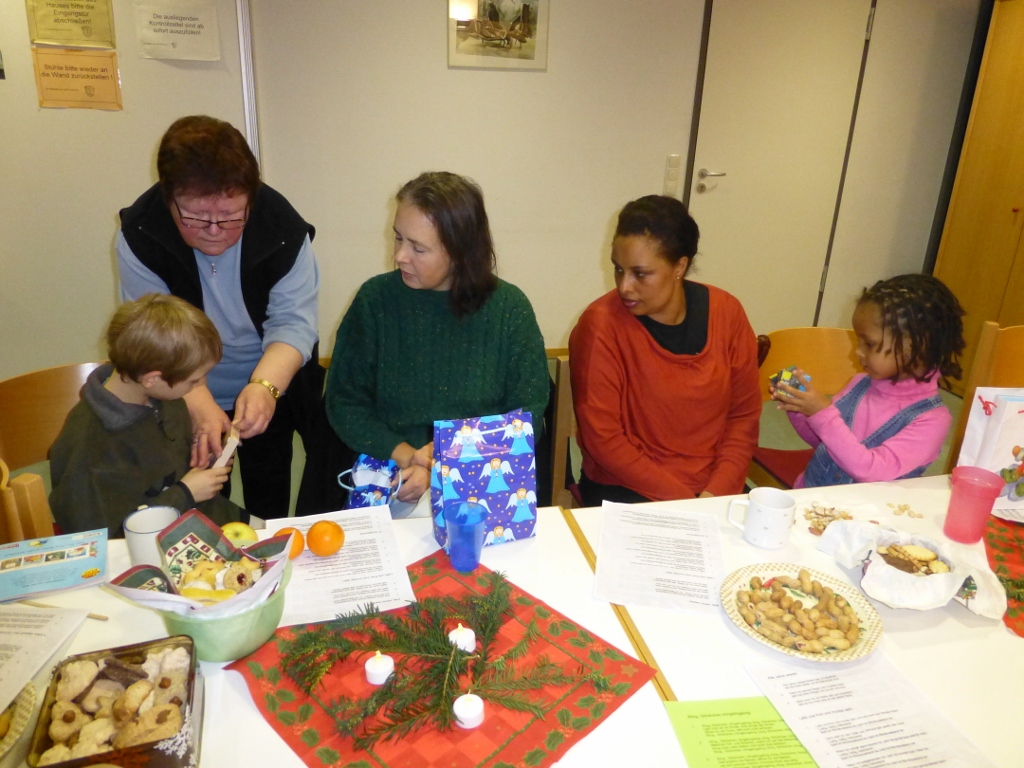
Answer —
(971, 667)
(550, 566)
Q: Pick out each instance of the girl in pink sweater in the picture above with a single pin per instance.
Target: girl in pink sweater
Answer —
(889, 422)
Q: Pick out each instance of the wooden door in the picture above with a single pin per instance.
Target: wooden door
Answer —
(986, 211)
(1012, 310)
(779, 92)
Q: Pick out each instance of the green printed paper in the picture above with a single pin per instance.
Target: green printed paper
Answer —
(735, 733)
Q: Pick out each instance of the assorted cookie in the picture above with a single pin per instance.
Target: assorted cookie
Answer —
(212, 581)
(913, 558)
(113, 704)
(5, 719)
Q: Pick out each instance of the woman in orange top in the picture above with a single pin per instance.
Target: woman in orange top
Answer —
(664, 370)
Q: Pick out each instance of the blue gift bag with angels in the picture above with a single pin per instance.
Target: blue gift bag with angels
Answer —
(489, 460)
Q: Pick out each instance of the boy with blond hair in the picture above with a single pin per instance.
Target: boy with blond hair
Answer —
(128, 441)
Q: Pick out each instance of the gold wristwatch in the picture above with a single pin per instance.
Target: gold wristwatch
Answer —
(273, 390)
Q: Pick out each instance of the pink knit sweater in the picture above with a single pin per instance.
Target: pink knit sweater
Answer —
(917, 444)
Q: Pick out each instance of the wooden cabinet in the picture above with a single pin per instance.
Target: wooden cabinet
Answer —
(981, 256)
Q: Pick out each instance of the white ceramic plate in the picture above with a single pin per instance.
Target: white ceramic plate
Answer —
(870, 622)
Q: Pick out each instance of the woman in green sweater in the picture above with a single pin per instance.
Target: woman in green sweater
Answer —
(440, 337)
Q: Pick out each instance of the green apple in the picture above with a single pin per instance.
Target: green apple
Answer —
(240, 534)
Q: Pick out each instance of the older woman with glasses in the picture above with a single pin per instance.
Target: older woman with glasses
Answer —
(212, 233)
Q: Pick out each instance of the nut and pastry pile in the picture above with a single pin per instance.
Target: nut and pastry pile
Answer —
(913, 558)
(212, 581)
(899, 509)
(113, 704)
(820, 517)
(829, 624)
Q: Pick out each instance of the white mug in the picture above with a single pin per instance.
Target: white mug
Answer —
(770, 514)
(140, 530)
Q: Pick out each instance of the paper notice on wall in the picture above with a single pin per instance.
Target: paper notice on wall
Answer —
(178, 30)
(77, 79)
(81, 23)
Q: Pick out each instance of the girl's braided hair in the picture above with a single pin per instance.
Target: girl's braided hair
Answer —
(922, 314)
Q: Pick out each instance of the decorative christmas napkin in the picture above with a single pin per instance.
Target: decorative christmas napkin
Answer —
(602, 678)
(1004, 544)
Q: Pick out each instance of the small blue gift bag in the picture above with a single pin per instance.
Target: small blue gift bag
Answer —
(489, 460)
(369, 482)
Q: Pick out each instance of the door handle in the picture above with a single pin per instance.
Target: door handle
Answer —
(704, 173)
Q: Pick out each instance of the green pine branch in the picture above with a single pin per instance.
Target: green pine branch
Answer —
(430, 672)
(1014, 588)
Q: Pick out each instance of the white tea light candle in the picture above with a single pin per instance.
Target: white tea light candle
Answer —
(463, 638)
(468, 710)
(379, 668)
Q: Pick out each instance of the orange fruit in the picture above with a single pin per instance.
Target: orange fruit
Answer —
(324, 538)
(298, 543)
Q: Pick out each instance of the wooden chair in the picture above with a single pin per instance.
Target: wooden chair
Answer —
(829, 356)
(33, 408)
(998, 362)
(565, 428)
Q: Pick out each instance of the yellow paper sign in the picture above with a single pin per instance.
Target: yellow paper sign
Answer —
(81, 23)
(77, 79)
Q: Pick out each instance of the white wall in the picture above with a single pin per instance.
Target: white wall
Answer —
(356, 97)
(912, 84)
(65, 173)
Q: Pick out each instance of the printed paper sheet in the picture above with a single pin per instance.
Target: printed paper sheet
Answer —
(367, 569)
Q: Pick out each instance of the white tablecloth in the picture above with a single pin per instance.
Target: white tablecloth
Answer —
(971, 667)
(550, 566)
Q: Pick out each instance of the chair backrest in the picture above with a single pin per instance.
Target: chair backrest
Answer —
(33, 408)
(565, 428)
(998, 362)
(829, 355)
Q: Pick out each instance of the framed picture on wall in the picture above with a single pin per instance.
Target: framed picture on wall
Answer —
(498, 34)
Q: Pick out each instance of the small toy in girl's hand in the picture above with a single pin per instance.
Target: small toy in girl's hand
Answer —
(788, 377)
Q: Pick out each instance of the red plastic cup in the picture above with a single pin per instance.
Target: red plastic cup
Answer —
(970, 503)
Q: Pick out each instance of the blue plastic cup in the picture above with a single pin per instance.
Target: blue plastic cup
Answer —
(466, 524)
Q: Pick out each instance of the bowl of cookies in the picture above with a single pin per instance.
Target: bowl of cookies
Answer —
(230, 637)
(229, 599)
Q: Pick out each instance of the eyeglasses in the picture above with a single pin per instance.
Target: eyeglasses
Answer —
(193, 223)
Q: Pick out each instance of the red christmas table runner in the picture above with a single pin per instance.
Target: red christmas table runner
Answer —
(506, 739)
(1004, 545)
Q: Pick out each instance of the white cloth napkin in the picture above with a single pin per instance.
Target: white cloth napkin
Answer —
(970, 581)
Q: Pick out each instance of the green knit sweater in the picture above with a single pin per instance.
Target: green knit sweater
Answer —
(402, 360)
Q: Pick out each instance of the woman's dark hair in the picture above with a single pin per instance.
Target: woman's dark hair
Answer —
(455, 205)
(923, 314)
(203, 156)
(664, 219)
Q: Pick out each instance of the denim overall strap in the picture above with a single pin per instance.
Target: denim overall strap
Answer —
(847, 405)
(822, 469)
(898, 422)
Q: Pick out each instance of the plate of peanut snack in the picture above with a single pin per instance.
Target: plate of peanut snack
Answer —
(801, 612)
